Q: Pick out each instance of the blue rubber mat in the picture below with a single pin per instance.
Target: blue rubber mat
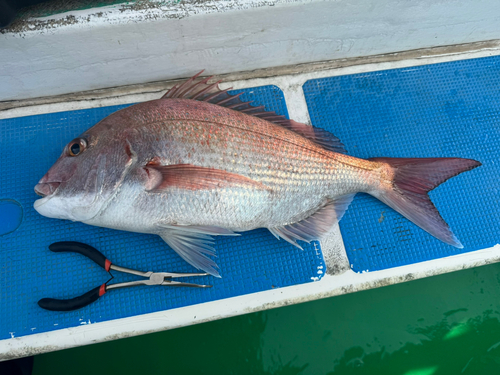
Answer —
(251, 263)
(442, 110)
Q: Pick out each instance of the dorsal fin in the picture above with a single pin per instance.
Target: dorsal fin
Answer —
(203, 91)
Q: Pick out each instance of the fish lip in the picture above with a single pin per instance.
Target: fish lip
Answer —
(46, 189)
(40, 202)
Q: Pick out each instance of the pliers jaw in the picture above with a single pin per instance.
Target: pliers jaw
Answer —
(165, 278)
(151, 278)
(157, 278)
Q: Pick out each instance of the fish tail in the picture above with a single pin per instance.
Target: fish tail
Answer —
(405, 186)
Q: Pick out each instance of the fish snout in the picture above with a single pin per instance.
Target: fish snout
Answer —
(46, 188)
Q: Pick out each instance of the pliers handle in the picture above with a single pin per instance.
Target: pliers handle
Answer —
(152, 278)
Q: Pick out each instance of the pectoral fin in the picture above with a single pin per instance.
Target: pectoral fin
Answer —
(192, 177)
(194, 247)
(202, 229)
(194, 243)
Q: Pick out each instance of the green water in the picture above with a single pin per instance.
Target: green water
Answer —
(446, 324)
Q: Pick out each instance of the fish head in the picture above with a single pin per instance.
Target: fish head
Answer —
(86, 175)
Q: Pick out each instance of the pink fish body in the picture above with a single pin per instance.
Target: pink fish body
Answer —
(199, 163)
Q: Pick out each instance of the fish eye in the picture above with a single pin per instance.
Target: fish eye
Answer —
(76, 146)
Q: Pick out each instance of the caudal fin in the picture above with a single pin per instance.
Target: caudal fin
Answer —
(413, 179)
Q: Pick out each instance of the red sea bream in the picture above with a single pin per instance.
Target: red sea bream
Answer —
(199, 163)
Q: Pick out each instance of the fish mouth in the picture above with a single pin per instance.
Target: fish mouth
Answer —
(47, 188)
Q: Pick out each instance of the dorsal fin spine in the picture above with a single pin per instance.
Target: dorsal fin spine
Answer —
(204, 81)
(234, 106)
(271, 118)
(252, 109)
(229, 98)
(209, 87)
(213, 96)
(187, 83)
(169, 93)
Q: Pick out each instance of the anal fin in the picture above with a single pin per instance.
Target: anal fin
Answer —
(317, 225)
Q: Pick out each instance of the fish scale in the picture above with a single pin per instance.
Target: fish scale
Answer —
(190, 169)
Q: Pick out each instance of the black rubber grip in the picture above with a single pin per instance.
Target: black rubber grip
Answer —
(81, 248)
(76, 303)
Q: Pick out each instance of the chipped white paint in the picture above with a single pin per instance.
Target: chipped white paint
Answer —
(141, 11)
(151, 41)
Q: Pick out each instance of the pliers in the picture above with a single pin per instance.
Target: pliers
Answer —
(152, 278)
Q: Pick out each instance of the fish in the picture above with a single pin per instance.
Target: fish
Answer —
(199, 163)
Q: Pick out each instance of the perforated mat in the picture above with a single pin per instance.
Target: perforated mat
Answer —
(253, 262)
(442, 110)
